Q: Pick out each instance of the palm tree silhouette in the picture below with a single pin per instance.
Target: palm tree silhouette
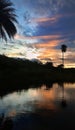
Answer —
(63, 49)
(7, 19)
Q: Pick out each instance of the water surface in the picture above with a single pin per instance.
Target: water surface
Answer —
(40, 108)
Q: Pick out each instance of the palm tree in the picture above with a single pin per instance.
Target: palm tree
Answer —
(7, 19)
(63, 49)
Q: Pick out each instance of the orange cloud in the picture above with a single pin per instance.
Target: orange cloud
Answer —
(50, 53)
(51, 19)
(39, 20)
(49, 44)
(45, 37)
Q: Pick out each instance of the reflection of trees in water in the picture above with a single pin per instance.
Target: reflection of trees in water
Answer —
(39, 85)
(63, 101)
(5, 123)
(49, 85)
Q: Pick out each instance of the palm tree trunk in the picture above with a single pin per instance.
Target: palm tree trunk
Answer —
(63, 59)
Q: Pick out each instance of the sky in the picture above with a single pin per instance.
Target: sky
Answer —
(43, 26)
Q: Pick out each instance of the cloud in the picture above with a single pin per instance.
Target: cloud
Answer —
(43, 26)
(44, 19)
(50, 37)
(38, 17)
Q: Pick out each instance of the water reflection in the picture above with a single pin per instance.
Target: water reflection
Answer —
(36, 99)
(26, 106)
(63, 101)
(27, 101)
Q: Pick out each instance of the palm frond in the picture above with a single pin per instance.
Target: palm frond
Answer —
(7, 19)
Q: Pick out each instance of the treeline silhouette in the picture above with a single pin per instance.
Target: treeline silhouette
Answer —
(19, 68)
(17, 63)
(21, 71)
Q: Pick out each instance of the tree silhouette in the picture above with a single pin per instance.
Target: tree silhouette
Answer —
(7, 19)
(63, 49)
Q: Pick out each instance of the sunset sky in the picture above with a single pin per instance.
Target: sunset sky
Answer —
(43, 26)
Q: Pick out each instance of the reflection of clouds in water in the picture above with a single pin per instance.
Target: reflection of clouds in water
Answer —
(34, 99)
(26, 101)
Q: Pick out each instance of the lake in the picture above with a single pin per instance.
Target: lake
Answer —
(41, 108)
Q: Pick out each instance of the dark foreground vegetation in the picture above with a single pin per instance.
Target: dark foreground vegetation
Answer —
(20, 73)
(19, 69)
